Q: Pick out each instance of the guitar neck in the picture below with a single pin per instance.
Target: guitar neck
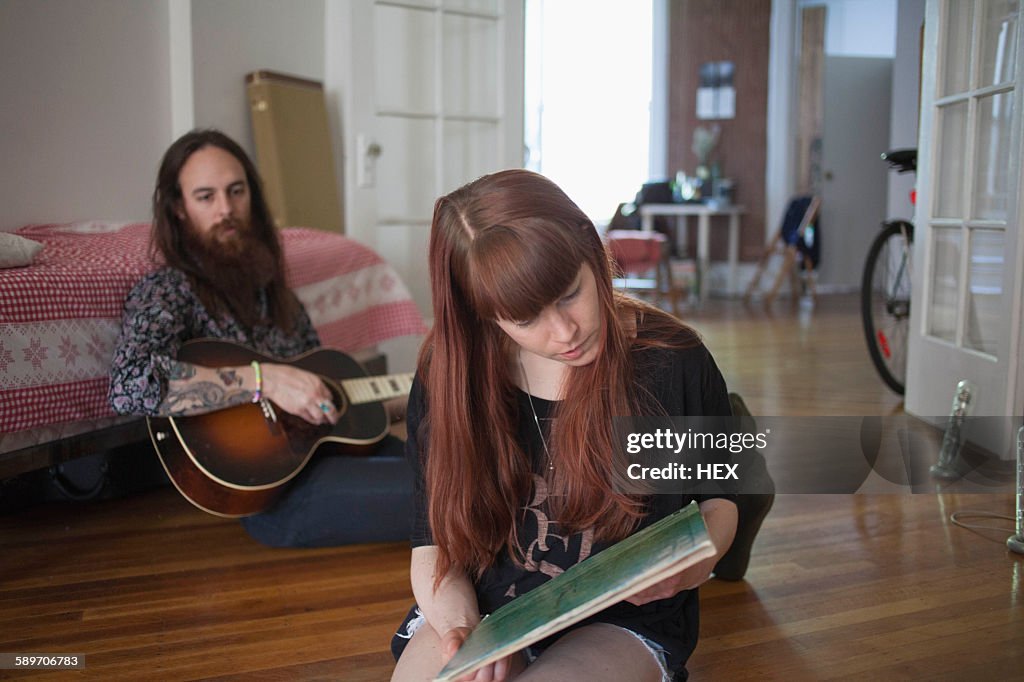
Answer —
(375, 389)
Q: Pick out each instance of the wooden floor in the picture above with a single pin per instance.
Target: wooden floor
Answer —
(841, 586)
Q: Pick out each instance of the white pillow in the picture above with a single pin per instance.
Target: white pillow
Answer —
(16, 251)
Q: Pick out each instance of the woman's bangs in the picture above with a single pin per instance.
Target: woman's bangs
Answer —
(515, 273)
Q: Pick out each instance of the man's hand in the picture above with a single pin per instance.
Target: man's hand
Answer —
(299, 392)
(492, 672)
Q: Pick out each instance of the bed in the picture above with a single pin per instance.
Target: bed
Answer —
(60, 316)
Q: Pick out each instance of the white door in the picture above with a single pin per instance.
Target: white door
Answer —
(966, 308)
(855, 131)
(435, 99)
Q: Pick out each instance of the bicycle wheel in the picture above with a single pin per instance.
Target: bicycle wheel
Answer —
(885, 301)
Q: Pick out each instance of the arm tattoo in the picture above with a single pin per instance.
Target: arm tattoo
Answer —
(229, 377)
(201, 397)
(202, 394)
(180, 371)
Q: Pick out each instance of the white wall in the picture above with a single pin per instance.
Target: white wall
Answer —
(88, 95)
(86, 108)
(858, 28)
(231, 38)
(905, 88)
(780, 178)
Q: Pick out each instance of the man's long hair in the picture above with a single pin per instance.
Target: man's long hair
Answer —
(504, 247)
(172, 240)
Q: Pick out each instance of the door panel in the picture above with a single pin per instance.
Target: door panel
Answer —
(470, 62)
(404, 64)
(992, 172)
(406, 182)
(985, 276)
(857, 92)
(471, 150)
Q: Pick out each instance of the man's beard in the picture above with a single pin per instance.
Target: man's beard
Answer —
(234, 268)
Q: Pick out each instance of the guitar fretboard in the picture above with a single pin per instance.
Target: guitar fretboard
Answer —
(375, 389)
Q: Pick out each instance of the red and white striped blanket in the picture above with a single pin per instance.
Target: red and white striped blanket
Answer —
(59, 317)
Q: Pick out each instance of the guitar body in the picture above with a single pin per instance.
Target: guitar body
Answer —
(236, 461)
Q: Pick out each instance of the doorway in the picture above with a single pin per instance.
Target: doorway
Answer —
(843, 111)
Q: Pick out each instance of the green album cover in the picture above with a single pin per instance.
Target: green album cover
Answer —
(637, 562)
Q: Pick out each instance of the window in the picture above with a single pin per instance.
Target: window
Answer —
(588, 98)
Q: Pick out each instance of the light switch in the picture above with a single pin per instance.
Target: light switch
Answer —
(366, 161)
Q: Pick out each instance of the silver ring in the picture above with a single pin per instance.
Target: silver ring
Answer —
(325, 407)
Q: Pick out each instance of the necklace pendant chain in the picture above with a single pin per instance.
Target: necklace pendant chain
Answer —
(533, 411)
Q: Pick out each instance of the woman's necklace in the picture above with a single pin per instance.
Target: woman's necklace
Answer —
(540, 431)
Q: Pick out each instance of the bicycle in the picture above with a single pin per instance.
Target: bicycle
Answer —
(885, 287)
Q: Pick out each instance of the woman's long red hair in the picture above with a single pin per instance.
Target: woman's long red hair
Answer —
(504, 247)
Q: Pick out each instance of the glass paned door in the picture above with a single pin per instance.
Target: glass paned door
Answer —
(973, 141)
(966, 308)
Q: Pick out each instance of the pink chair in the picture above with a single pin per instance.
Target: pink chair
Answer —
(643, 258)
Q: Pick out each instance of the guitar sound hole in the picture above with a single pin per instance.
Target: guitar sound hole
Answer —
(301, 434)
(338, 398)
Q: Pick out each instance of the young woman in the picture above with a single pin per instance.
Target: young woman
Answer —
(510, 422)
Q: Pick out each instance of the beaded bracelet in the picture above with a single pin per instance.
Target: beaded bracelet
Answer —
(258, 395)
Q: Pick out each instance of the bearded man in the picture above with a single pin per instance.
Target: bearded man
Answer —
(224, 278)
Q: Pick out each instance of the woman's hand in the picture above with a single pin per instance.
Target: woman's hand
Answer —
(689, 578)
(492, 672)
(720, 517)
(299, 392)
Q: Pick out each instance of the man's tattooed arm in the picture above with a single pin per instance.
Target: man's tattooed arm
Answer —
(180, 371)
(192, 389)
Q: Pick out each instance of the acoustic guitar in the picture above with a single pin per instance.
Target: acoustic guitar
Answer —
(236, 461)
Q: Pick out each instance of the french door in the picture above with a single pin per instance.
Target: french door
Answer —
(966, 314)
